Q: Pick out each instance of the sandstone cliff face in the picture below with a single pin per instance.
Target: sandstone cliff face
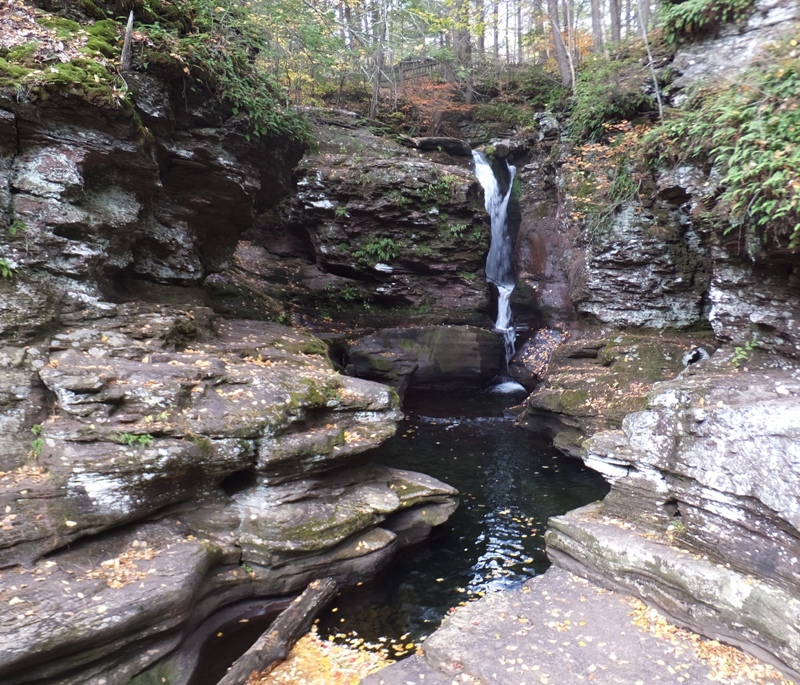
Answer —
(702, 516)
(376, 235)
(101, 209)
(379, 234)
(159, 464)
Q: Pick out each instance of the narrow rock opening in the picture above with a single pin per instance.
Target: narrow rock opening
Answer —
(238, 481)
(225, 636)
(672, 509)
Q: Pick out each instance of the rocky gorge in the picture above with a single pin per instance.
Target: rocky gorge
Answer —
(202, 336)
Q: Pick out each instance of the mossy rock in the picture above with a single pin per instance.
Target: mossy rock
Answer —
(22, 54)
(571, 401)
(11, 74)
(64, 27)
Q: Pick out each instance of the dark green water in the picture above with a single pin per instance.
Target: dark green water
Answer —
(510, 481)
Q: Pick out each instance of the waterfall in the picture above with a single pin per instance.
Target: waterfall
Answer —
(499, 266)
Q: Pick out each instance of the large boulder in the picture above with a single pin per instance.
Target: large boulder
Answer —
(427, 357)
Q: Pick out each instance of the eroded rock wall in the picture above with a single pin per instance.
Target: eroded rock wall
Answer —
(702, 517)
(160, 464)
(380, 235)
(700, 329)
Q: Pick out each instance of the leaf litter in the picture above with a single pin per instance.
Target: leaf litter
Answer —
(727, 664)
(317, 661)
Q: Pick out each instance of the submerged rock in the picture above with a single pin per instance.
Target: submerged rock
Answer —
(428, 357)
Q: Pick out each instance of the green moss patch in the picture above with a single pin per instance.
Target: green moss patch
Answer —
(65, 28)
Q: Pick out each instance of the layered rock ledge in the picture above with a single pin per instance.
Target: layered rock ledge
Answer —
(703, 517)
(170, 483)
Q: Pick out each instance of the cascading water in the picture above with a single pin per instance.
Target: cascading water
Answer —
(499, 267)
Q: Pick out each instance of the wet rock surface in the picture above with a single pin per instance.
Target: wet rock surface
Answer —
(709, 468)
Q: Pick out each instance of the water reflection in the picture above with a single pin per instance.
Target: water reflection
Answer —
(510, 482)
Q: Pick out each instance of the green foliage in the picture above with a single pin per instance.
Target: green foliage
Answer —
(676, 527)
(606, 92)
(458, 230)
(64, 27)
(694, 19)
(22, 54)
(440, 191)
(15, 227)
(247, 568)
(93, 79)
(601, 177)
(750, 131)
(38, 441)
(504, 113)
(346, 297)
(134, 440)
(215, 45)
(340, 212)
(379, 249)
(742, 353)
(467, 275)
(540, 88)
(7, 269)
(11, 74)
(80, 76)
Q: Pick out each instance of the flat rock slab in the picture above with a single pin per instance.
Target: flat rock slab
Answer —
(556, 629)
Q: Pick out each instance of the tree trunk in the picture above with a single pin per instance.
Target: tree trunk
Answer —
(562, 58)
(644, 16)
(463, 44)
(125, 59)
(613, 10)
(597, 26)
(496, 27)
(376, 83)
(273, 646)
(379, 36)
(480, 28)
(508, 31)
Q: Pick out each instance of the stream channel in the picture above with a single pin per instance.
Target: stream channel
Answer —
(510, 482)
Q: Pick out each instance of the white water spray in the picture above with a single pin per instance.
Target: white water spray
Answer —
(499, 266)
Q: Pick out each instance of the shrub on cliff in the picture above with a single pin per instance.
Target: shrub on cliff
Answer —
(209, 47)
(749, 131)
(688, 20)
(216, 45)
(608, 91)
